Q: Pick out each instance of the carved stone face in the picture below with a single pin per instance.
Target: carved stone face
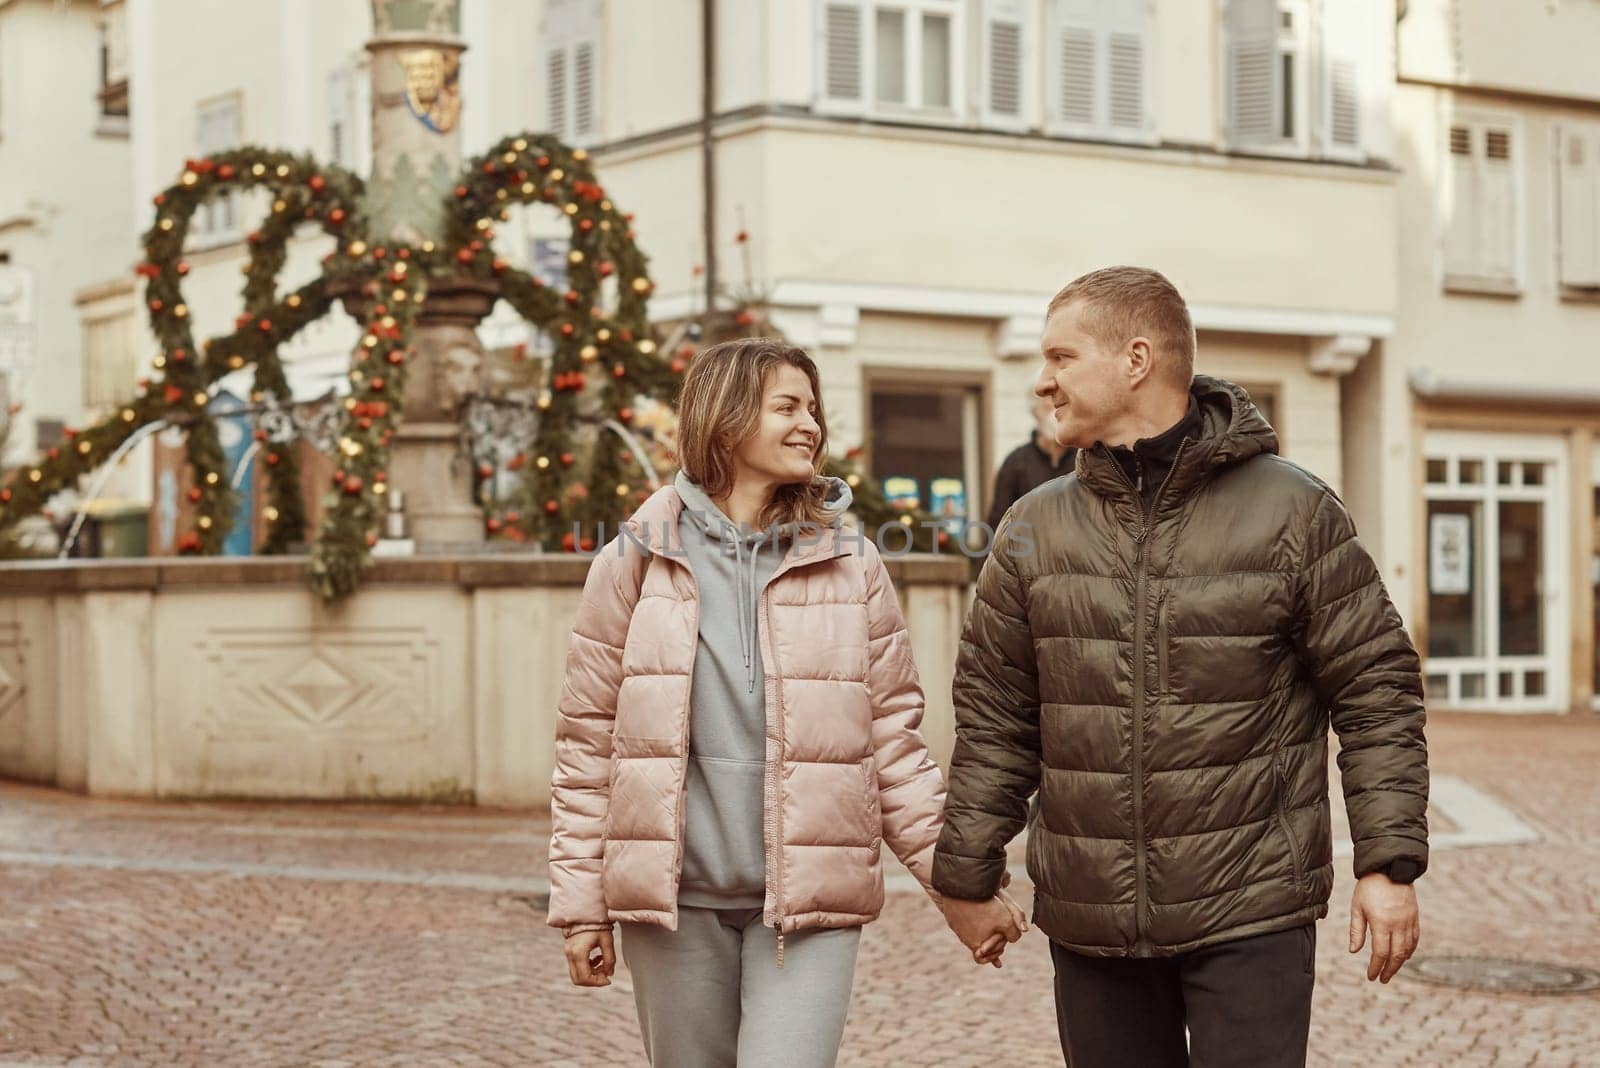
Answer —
(459, 373)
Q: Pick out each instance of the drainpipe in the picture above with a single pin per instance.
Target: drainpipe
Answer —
(708, 150)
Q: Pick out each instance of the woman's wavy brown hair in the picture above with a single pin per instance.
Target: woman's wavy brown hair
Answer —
(720, 407)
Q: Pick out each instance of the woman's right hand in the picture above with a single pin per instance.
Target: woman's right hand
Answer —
(583, 964)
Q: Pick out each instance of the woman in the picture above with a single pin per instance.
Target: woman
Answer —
(737, 735)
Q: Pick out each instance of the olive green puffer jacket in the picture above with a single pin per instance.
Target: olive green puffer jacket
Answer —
(1166, 681)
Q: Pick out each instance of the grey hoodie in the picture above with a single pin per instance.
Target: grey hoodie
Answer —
(724, 860)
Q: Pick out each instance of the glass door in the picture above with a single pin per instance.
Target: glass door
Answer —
(1496, 542)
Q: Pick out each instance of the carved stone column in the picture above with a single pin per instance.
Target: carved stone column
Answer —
(416, 154)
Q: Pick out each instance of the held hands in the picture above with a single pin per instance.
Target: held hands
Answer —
(985, 927)
(1390, 910)
(591, 958)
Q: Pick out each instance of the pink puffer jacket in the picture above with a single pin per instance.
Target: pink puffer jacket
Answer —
(846, 766)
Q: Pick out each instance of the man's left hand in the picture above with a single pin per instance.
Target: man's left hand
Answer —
(1389, 910)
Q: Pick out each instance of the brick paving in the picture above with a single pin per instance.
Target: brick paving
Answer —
(134, 933)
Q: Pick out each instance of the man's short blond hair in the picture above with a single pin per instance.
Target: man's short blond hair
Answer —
(1120, 303)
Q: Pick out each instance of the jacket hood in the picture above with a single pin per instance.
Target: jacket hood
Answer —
(1234, 431)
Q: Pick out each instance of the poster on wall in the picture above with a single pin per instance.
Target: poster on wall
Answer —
(947, 500)
(1449, 554)
(902, 492)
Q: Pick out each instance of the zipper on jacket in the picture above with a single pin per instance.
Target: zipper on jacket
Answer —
(688, 717)
(1161, 641)
(1141, 579)
(1280, 759)
(774, 813)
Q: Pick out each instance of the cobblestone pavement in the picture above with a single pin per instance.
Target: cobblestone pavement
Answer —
(135, 933)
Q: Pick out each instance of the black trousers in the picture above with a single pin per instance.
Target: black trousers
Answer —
(1245, 1003)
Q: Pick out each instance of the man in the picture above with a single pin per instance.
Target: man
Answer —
(1158, 645)
(1031, 464)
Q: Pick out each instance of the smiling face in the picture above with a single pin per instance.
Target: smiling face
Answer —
(1087, 383)
(782, 448)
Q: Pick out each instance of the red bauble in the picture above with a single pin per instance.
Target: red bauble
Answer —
(567, 329)
(395, 357)
(179, 355)
(317, 183)
(156, 305)
(566, 459)
(619, 371)
(372, 539)
(517, 462)
(254, 237)
(225, 172)
(586, 225)
(572, 297)
(265, 326)
(352, 486)
(485, 471)
(678, 367)
(5, 496)
(183, 268)
(461, 192)
(53, 453)
(625, 415)
(543, 162)
(159, 199)
(336, 216)
(551, 507)
(568, 542)
(364, 423)
(465, 255)
(173, 394)
(194, 494)
(272, 459)
(744, 318)
(377, 385)
(260, 435)
(587, 544)
(499, 265)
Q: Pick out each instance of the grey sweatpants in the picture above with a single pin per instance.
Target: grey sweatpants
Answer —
(711, 994)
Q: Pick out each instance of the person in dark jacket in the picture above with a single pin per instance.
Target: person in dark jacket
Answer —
(1158, 646)
(1031, 464)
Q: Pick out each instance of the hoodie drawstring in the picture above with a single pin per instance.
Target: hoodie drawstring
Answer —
(746, 608)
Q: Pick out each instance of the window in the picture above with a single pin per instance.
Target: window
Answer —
(1579, 206)
(924, 448)
(110, 362)
(113, 92)
(1267, 74)
(1100, 69)
(572, 70)
(1496, 570)
(897, 58)
(217, 220)
(1481, 217)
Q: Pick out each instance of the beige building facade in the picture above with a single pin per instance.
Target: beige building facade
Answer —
(1471, 443)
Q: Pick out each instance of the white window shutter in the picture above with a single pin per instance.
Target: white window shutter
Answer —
(1075, 66)
(1004, 101)
(842, 72)
(1498, 204)
(341, 116)
(557, 93)
(1251, 48)
(1461, 227)
(585, 90)
(1345, 43)
(1128, 67)
(1579, 179)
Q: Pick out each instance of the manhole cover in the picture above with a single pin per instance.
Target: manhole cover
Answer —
(1500, 976)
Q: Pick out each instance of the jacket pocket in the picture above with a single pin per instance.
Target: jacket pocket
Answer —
(1161, 641)
(1280, 766)
(869, 781)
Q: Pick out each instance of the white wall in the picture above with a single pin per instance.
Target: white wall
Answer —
(63, 215)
